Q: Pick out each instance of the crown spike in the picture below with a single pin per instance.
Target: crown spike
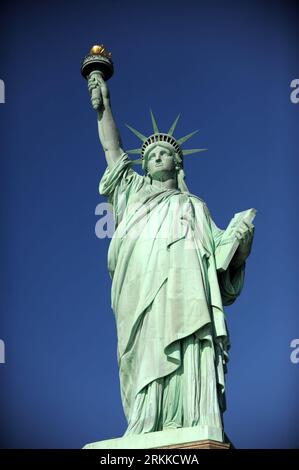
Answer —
(137, 133)
(155, 127)
(186, 137)
(134, 151)
(173, 125)
(190, 151)
(136, 162)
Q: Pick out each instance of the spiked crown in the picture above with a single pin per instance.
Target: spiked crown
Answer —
(166, 139)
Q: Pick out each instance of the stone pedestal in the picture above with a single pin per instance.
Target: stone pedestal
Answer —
(196, 437)
(207, 444)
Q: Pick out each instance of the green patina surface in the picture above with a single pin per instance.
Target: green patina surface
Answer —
(172, 271)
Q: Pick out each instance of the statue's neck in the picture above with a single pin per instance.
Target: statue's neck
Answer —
(171, 183)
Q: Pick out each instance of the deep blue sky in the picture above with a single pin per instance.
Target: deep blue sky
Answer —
(227, 67)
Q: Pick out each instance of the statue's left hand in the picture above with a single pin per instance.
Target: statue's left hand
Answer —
(244, 233)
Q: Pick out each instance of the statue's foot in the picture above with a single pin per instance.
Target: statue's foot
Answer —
(171, 425)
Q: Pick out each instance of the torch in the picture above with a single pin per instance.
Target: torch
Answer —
(97, 62)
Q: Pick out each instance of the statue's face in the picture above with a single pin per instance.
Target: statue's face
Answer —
(160, 163)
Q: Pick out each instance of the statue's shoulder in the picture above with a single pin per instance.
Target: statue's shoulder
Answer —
(198, 199)
(199, 202)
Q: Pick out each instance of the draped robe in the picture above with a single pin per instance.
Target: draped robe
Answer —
(168, 298)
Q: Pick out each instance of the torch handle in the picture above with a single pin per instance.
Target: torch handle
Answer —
(96, 96)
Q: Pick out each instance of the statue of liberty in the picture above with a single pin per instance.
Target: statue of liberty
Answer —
(172, 271)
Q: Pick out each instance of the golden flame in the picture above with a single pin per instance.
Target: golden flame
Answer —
(99, 49)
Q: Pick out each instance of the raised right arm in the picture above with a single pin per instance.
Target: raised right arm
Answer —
(108, 132)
